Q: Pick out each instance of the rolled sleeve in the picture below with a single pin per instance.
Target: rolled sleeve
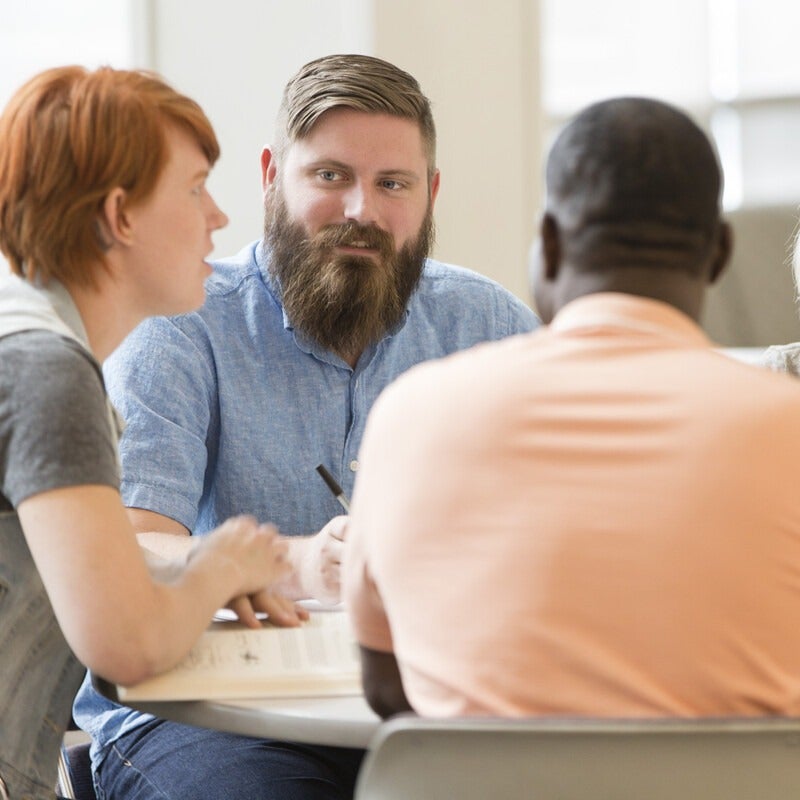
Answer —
(164, 386)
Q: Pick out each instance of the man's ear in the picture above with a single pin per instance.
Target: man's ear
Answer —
(550, 239)
(722, 252)
(435, 180)
(269, 168)
(113, 221)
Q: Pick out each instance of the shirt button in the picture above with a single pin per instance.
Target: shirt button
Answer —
(353, 465)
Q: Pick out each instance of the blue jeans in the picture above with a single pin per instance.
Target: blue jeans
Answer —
(163, 760)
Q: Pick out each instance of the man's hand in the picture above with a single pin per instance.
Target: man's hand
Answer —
(316, 561)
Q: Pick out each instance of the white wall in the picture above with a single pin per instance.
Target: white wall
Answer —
(478, 63)
(234, 58)
(475, 60)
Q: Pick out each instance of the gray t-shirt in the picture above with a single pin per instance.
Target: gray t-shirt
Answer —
(54, 423)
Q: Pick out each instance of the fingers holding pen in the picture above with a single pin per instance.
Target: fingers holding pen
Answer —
(317, 561)
(337, 528)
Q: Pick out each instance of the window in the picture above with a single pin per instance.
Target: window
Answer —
(733, 64)
(49, 33)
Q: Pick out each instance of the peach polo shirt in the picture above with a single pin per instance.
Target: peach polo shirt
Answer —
(599, 518)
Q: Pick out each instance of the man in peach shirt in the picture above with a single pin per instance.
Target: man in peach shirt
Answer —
(602, 517)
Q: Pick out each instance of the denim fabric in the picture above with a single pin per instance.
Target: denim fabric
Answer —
(39, 673)
(167, 761)
(228, 410)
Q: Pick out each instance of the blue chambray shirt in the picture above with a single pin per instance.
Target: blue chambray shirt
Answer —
(229, 410)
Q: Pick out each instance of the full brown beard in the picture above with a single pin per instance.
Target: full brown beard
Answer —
(344, 303)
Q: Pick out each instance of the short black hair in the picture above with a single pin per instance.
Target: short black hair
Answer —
(635, 180)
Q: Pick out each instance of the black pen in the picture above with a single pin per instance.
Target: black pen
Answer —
(337, 490)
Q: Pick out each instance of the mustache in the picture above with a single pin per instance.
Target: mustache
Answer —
(351, 234)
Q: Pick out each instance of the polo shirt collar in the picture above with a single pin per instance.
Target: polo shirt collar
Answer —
(610, 310)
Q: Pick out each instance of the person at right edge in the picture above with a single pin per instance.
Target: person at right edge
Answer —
(786, 357)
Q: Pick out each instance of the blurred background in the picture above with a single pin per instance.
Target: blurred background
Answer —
(502, 77)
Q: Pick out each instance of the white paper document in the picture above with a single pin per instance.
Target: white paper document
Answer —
(229, 661)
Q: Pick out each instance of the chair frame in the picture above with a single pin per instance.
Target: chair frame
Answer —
(70, 785)
(583, 759)
(64, 785)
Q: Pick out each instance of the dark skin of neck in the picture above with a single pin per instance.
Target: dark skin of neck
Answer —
(559, 276)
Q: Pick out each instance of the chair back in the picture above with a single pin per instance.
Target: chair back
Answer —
(411, 758)
(753, 302)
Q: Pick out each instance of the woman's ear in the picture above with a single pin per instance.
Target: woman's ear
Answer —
(113, 221)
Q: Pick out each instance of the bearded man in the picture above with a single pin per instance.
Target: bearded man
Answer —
(230, 409)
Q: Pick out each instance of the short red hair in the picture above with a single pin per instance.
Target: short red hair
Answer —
(67, 138)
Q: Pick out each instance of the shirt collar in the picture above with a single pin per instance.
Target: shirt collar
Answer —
(610, 310)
